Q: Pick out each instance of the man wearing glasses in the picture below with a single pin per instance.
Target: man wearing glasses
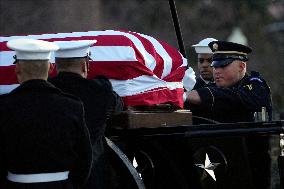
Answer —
(204, 54)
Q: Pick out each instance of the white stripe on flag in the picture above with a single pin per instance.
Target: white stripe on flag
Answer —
(7, 88)
(6, 58)
(56, 35)
(168, 62)
(112, 53)
(141, 84)
(98, 53)
(184, 61)
(148, 58)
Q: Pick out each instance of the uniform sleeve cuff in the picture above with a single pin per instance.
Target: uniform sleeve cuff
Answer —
(206, 96)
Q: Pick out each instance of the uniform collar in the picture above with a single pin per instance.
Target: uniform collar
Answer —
(35, 84)
(71, 74)
(206, 81)
(240, 82)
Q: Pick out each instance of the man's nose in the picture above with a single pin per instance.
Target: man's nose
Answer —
(205, 64)
(216, 70)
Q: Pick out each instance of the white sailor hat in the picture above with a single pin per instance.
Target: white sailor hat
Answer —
(202, 47)
(32, 49)
(74, 49)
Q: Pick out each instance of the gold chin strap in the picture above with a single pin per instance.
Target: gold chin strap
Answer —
(229, 52)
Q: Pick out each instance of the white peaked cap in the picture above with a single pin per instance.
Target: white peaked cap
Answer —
(32, 49)
(202, 47)
(74, 49)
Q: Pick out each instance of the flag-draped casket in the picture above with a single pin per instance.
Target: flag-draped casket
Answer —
(142, 69)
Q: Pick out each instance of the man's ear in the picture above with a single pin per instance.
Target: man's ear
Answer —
(18, 68)
(18, 72)
(83, 67)
(88, 66)
(242, 66)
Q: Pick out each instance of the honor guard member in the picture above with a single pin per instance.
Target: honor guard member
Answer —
(44, 142)
(237, 95)
(204, 55)
(235, 98)
(97, 95)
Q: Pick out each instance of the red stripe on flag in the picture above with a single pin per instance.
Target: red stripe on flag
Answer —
(7, 75)
(121, 70)
(156, 97)
(102, 40)
(114, 70)
(158, 71)
(176, 75)
(3, 46)
(52, 71)
(175, 55)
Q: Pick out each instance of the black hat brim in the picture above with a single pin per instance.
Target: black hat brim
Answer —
(221, 63)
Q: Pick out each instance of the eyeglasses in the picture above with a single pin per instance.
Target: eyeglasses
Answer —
(201, 60)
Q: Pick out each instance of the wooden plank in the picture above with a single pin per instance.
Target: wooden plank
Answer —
(148, 119)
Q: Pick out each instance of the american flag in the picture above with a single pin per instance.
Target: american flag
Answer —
(142, 69)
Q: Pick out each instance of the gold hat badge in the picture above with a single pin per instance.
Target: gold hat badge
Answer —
(215, 46)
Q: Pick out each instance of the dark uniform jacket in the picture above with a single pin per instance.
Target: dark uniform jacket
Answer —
(97, 96)
(237, 103)
(200, 83)
(42, 130)
(99, 101)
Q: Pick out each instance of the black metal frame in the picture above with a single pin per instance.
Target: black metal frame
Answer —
(177, 27)
(205, 130)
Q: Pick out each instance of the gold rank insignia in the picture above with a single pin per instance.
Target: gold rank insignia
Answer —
(249, 86)
(215, 46)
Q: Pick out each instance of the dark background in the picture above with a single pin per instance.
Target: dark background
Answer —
(261, 22)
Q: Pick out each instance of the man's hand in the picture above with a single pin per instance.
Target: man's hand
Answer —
(193, 97)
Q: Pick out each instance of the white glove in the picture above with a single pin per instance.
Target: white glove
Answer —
(189, 79)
